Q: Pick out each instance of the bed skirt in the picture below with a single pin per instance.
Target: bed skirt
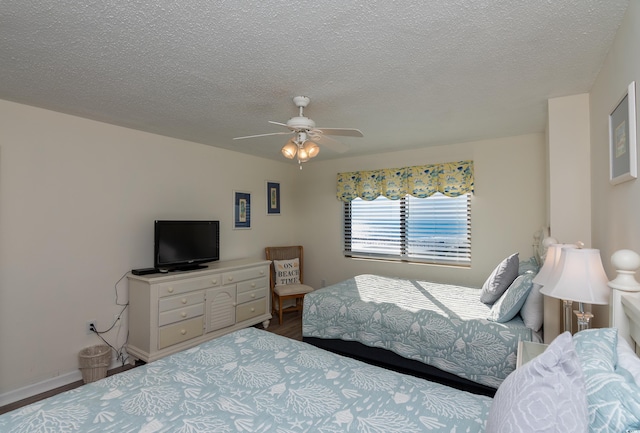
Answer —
(392, 361)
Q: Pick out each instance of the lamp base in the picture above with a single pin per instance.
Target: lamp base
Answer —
(584, 317)
(567, 315)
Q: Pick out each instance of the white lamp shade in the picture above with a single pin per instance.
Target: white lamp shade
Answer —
(554, 251)
(550, 261)
(579, 276)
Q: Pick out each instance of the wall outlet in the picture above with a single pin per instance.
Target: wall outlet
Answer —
(89, 325)
(323, 283)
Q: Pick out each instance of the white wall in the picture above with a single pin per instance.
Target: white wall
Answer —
(77, 203)
(570, 193)
(569, 169)
(615, 209)
(509, 205)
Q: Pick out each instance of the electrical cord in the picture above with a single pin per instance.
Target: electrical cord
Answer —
(115, 286)
(120, 353)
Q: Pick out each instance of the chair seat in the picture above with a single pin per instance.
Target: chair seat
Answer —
(292, 289)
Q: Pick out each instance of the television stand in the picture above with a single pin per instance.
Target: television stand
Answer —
(187, 268)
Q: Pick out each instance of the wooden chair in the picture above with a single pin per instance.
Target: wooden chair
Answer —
(290, 290)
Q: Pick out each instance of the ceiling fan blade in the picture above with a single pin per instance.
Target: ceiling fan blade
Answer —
(262, 135)
(345, 132)
(278, 123)
(329, 143)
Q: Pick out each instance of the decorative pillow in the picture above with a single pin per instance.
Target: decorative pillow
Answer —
(597, 348)
(613, 397)
(527, 266)
(628, 360)
(547, 394)
(500, 279)
(512, 300)
(532, 311)
(287, 271)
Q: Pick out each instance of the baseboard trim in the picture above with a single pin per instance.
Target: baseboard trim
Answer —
(46, 385)
(39, 388)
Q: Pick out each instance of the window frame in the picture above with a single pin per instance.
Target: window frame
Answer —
(459, 258)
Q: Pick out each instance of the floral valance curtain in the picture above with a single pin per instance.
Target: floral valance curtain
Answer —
(449, 178)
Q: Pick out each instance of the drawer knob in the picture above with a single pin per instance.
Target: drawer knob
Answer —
(170, 290)
(253, 309)
(253, 285)
(214, 281)
(183, 331)
(261, 272)
(230, 278)
(253, 295)
(184, 314)
(183, 300)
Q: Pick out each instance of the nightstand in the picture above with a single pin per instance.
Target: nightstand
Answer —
(527, 350)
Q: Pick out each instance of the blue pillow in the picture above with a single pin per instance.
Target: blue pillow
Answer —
(528, 266)
(512, 300)
(613, 396)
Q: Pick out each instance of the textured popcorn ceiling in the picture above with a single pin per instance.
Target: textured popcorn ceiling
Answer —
(407, 73)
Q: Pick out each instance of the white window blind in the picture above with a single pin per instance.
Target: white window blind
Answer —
(436, 229)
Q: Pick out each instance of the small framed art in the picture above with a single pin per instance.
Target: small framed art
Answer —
(241, 210)
(273, 198)
(622, 138)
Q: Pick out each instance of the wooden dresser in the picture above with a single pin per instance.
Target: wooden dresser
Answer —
(175, 311)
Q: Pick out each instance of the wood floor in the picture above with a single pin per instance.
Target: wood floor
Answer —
(291, 328)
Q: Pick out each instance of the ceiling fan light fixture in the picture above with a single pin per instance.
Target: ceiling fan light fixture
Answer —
(289, 150)
(312, 149)
(303, 156)
(304, 130)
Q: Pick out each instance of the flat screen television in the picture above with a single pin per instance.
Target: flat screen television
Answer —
(185, 245)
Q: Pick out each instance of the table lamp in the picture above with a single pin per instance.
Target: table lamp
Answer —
(579, 277)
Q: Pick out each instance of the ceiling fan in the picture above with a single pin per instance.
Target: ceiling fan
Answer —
(306, 136)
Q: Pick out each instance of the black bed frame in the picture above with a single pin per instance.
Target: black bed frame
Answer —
(392, 361)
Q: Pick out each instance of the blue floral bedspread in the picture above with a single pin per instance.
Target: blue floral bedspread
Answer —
(254, 381)
(439, 324)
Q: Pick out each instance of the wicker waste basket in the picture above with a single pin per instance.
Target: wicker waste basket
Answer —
(94, 362)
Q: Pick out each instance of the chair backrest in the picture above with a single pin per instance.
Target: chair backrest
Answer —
(284, 253)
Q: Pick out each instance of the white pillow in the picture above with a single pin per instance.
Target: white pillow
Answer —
(547, 394)
(532, 312)
(287, 271)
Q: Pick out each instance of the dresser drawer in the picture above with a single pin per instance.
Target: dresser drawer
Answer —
(179, 332)
(179, 314)
(250, 309)
(252, 295)
(166, 304)
(247, 286)
(182, 286)
(244, 274)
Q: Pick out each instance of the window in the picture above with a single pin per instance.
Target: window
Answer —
(436, 229)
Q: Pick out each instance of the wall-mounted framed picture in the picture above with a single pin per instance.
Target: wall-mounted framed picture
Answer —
(273, 198)
(241, 210)
(622, 138)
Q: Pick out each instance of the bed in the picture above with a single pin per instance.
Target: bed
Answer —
(255, 381)
(437, 331)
